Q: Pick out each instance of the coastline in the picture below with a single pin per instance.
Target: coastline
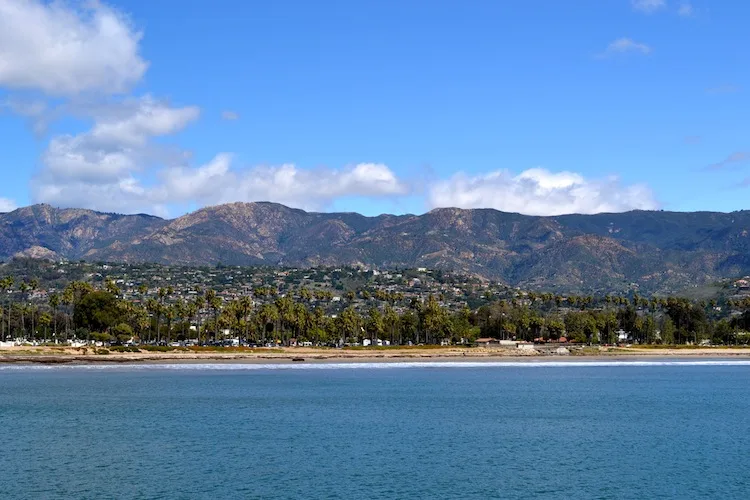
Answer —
(73, 356)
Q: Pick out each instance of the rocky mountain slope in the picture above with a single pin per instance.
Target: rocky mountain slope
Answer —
(658, 251)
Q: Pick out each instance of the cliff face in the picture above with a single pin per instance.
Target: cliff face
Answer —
(657, 250)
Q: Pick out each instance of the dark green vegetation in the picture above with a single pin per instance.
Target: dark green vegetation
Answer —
(663, 252)
(287, 312)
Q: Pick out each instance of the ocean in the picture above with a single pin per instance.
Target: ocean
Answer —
(480, 430)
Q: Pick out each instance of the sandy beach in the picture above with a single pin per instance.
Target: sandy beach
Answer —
(68, 355)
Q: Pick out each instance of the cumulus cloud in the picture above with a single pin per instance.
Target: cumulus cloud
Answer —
(648, 6)
(137, 120)
(312, 189)
(117, 165)
(100, 168)
(624, 46)
(219, 182)
(7, 205)
(85, 56)
(124, 195)
(540, 192)
(118, 144)
(64, 49)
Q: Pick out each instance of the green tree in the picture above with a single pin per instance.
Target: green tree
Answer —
(375, 324)
(667, 331)
(54, 304)
(122, 332)
(350, 325)
(98, 311)
(214, 304)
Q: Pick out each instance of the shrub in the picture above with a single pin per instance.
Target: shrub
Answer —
(124, 348)
(158, 348)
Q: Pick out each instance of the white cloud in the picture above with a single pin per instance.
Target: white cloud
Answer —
(118, 144)
(625, 45)
(7, 205)
(648, 6)
(540, 192)
(218, 182)
(99, 168)
(118, 166)
(137, 120)
(230, 115)
(686, 10)
(63, 48)
(125, 195)
(75, 157)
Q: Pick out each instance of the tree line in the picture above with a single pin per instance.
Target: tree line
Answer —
(82, 311)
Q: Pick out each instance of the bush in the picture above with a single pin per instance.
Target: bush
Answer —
(158, 348)
(121, 348)
(102, 351)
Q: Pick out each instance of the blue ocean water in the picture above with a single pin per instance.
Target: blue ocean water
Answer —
(608, 430)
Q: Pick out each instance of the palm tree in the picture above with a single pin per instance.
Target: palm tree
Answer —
(391, 321)
(246, 308)
(268, 314)
(6, 284)
(191, 310)
(287, 314)
(184, 313)
(350, 323)
(152, 306)
(234, 313)
(23, 289)
(74, 292)
(214, 303)
(163, 293)
(170, 312)
(200, 304)
(54, 303)
(33, 286)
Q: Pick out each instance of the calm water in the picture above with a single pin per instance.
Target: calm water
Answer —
(376, 432)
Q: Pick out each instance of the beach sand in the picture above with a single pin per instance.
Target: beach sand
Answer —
(68, 355)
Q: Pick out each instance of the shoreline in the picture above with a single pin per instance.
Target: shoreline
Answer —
(301, 356)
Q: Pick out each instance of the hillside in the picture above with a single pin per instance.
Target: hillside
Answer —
(658, 251)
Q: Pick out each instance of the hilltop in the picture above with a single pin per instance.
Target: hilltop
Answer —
(654, 251)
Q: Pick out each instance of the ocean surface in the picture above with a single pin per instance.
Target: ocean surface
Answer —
(484, 430)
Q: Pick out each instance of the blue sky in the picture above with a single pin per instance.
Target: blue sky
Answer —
(530, 106)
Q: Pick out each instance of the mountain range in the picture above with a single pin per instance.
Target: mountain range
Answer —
(655, 251)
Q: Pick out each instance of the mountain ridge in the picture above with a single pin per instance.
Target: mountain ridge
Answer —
(654, 250)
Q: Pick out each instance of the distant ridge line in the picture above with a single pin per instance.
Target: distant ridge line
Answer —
(658, 251)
